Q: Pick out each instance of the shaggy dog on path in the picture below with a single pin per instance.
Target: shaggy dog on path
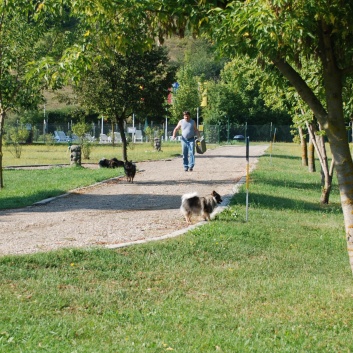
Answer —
(194, 205)
(130, 171)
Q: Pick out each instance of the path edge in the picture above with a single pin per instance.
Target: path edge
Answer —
(219, 209)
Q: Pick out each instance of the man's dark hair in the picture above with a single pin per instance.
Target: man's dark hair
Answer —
(186, 113)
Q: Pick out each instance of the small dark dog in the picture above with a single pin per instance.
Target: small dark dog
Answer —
(192, 204)
(110, 163)
(130, 171)
(115, 163)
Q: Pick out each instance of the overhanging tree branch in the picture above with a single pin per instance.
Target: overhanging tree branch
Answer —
(347, 71)
(305, 92)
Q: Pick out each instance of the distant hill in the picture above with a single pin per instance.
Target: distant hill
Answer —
(60, 99)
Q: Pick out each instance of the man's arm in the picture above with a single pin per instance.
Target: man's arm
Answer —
(176, 129)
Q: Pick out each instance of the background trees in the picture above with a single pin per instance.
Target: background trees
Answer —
(283, 34)
(279, 34)
(197, 64)
(25, 37)
(118, 86)
(239, 95)
(187, 95)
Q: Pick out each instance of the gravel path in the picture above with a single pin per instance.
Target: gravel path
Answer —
(116, 213)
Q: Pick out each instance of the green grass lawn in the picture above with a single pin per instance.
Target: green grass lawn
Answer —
(280, 282)
(60, 154)
(25, 187)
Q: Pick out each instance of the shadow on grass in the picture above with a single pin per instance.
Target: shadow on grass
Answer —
(281, 156)
(291, 184)
(259, 200)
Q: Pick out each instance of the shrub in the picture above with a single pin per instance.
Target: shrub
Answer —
(15, 137)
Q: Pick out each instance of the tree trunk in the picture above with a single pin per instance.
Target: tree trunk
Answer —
(325, 196)
(326, 183)
(311, 157)
(319, 144)
(304, 147)
(332, 121)
(113, 135)
(120, 121)
(2, 121)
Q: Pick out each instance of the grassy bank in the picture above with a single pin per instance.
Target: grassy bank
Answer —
(277, 283)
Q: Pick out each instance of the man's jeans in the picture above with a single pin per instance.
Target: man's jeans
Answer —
(188, 149)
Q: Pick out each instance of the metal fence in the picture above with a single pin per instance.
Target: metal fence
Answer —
(220, 133)
(212, 133)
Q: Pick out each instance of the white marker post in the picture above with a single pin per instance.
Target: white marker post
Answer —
(247, 177)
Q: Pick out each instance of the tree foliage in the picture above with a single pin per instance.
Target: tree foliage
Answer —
(239, 95)
(117, 86)
(187, 95)
(285, 34)
(282, 33)
(24, 40)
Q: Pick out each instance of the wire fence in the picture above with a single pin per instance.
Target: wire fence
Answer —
(212, 133)
(219, 133)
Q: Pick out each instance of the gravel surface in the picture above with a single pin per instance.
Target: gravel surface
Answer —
(117, 213)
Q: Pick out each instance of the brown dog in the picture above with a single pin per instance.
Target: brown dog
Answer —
(192, 204)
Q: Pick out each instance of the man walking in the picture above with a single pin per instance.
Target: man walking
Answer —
(188, 131)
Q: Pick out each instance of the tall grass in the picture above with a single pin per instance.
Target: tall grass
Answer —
(277, 283)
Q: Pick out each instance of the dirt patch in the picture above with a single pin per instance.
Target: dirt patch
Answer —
(117, 212)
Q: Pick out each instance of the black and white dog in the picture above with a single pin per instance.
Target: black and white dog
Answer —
(192, 204)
